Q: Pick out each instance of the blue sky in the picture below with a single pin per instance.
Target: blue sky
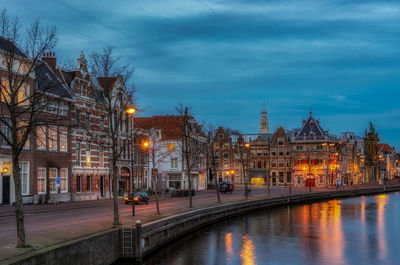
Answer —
(225, 58)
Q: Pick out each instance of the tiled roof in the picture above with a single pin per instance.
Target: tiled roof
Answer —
(48, 81)
(8, 45)
(171, 126)
(107, 82)
(385, 148)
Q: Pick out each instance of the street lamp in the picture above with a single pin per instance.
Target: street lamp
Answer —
(130, 111)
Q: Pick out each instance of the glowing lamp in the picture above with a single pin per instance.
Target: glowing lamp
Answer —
(130, 110)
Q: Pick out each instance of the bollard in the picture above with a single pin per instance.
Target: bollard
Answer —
(138, 241)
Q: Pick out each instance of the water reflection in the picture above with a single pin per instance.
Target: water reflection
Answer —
(228, 247)
(248, 251)
(352, 231)
(381, 202)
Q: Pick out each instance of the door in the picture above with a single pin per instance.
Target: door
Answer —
(102, 186)
(6, 190)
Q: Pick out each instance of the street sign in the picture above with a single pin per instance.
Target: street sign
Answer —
(163, 175)
(58, 181)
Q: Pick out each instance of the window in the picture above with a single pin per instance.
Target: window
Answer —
(64, 179)
(6, 131)
(280, 153)
(220, 136)
(226, 146)
(23, 67)
(280, 141)
(78, 184)
(101, 154)
(273, 152)
(102, 122)
(226, 155)
(259, 164)
(87, 154)
(78, 154)
(273, 164)
(41, 137)
(289, 177)
(174, 163)
(87, 120)
(299, 147)
(23, 94)
(53, 138)
(77, 118)
(24, 167)
(52, 107)
(281, 177)
(41, 175)
(63, 139)
(170, 147)
(226, 165)
(281, 164)
(89, 183)
(52, 179)
(5, 90)
(174, 181)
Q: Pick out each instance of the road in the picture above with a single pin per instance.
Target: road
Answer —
(48, 224)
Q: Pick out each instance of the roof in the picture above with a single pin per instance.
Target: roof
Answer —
(385, 148)
(107, 82)
(170, 126)
(49, 82)
(10, 46)
(310, 130)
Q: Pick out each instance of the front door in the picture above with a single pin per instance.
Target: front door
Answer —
(6, 190)
(102, 186)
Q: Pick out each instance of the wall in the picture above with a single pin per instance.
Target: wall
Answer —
(100, 248)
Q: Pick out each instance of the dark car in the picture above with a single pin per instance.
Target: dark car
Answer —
(140, 196)
(227, 186)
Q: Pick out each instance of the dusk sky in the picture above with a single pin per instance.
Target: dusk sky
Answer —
(225, 58)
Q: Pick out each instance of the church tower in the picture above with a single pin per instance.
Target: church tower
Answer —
(264, 128)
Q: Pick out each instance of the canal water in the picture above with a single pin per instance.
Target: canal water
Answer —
(363, 230)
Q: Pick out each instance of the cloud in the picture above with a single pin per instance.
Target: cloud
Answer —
(225, 58)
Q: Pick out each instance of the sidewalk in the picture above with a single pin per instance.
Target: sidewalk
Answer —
(50, 224)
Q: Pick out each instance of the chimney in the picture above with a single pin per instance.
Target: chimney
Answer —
(50, 58)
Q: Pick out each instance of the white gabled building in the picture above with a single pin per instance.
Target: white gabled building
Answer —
(165, 141)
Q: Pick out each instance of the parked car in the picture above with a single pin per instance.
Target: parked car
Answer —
(139, 196)
(227, 186)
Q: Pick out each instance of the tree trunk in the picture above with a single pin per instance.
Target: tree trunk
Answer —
(216, 184)
(190, 189)
(155, 177)
(19, 210)
(115, 186)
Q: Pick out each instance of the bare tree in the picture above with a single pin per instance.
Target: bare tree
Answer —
(22, 103)
(114, 79)
(211, 158)
(243, 149)
(192, 145)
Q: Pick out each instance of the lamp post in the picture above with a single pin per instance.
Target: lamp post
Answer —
(130, 111)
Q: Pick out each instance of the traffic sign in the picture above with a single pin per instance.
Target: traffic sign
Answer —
(58, 181)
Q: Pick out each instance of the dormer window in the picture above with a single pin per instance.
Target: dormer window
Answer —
(311, 124)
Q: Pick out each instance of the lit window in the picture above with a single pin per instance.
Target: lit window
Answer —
(41, 173)
(52, 180)
(63, 139)
(23, 94)
(52, 138)
(64, 179)
(5, 90)
(170, 147)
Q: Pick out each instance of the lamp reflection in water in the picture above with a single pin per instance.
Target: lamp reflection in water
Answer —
(331, 241)
(228, 247)
(381, 237)
(248, 253)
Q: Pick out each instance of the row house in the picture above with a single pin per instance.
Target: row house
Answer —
(166, 143)
(61, 160)
(46, 154)
(387, 157)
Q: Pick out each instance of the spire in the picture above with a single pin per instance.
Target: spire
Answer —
(264, 128)
(310, 111)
